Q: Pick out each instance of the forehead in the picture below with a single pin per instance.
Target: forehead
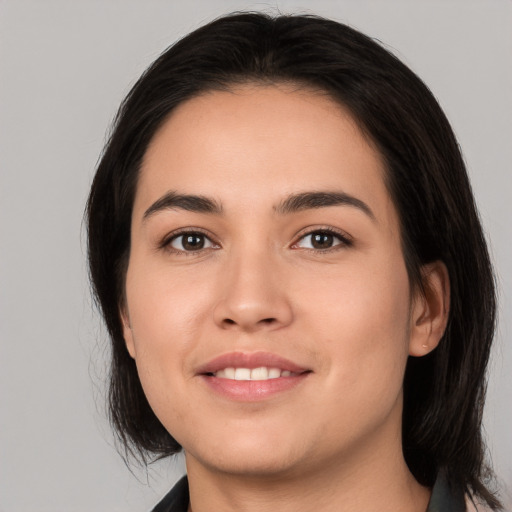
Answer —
(256, 143)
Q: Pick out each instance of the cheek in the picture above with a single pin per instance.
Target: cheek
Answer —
(361, 315)
(170, 314)
(165, 309)
(161, 319)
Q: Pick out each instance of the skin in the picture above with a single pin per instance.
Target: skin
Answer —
(346, 313)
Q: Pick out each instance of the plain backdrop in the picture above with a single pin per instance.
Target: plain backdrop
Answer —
(64, 67)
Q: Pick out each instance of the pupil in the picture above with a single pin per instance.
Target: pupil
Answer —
(322, 240)
(193, 242)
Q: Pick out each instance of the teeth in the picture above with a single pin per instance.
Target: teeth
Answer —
(274, 373)
(242, 374)
(261, 373)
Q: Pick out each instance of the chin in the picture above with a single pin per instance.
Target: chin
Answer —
(261, 466)
(252, 456)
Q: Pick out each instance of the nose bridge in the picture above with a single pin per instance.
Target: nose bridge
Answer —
(252, 290)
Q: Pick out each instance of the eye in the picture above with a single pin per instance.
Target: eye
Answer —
(322, 239)
(190, 241)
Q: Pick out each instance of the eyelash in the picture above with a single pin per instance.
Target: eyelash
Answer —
(344, 241)
(167, 241)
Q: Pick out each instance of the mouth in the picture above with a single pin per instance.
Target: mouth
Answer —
(260, 373)
(251, 377)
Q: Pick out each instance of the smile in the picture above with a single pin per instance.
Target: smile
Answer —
(251, 377)
(261, 373)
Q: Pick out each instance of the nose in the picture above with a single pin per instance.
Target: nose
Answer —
(253, 295)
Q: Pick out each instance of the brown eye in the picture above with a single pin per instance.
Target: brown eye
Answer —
(322, 240)
(189, 242)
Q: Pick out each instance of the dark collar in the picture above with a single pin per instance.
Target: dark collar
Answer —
(443, 498)
(176, 500)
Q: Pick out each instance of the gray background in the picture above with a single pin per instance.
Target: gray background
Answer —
(65, 66)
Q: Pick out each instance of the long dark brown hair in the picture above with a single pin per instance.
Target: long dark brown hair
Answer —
(426, 177)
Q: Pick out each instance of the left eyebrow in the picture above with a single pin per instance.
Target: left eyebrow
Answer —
(312, 200)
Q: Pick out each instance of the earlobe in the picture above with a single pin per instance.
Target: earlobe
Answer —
(127, 331)
(430, 310)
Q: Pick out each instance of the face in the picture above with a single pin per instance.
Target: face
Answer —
(268, 306)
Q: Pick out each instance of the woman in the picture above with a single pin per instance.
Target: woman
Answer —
(287, 254)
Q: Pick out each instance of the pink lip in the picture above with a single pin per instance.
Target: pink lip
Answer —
(249, 360)
(251, 390)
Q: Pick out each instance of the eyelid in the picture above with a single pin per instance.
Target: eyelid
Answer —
(166, 241)
(345, 239)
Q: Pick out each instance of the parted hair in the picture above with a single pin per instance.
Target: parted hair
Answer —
(425, 175)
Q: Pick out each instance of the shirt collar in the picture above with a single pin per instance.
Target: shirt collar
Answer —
(443, 499)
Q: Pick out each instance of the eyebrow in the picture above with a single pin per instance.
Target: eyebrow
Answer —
(313, 200)
(293, 203)
(192, 203)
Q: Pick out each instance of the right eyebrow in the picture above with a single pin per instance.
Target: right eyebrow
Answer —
(192, 203)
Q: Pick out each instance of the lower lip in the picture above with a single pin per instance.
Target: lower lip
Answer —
(253, 390)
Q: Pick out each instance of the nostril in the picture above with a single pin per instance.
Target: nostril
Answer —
(266, 321)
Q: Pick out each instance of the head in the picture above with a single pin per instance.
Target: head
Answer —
(423, 174)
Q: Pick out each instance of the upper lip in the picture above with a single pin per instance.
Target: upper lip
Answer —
(249, 360)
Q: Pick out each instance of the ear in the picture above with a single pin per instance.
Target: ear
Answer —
(430, 309)
(127, 330)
